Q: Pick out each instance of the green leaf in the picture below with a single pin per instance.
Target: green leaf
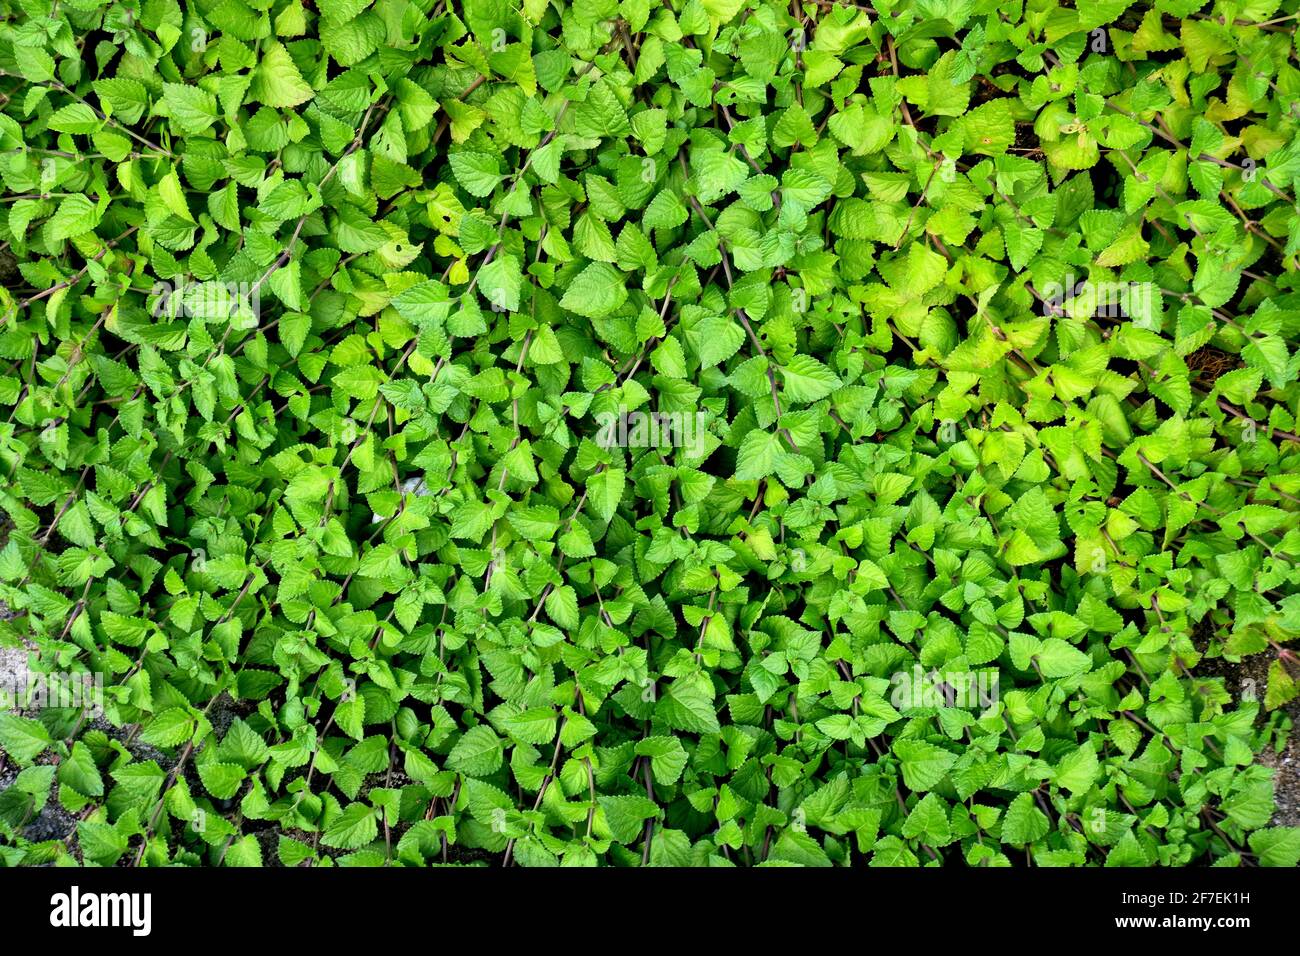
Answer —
(477, 753)
(595, 292)
(477, 172)
(75, 216)
(625, 815)
(758, 455)
(688, 705)
(807, 380)
(277, 82)
(923, 764)
(1276, 846)
(351, 829)
(1024, 823)
(23, 738)
(667, 758)
(78, 772)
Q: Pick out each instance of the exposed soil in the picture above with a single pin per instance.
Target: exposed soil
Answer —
(52, 823)
(13, 660)
(13, 672)
(1286, 764)
(225, 710)
(1286, 781)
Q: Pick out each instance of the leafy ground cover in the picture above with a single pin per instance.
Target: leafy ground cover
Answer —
(623, 433)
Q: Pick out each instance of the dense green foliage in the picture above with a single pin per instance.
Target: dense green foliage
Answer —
(972, 327)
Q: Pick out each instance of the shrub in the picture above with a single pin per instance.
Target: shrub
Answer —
(622, 433)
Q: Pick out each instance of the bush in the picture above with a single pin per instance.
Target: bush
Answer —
(621, 433)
